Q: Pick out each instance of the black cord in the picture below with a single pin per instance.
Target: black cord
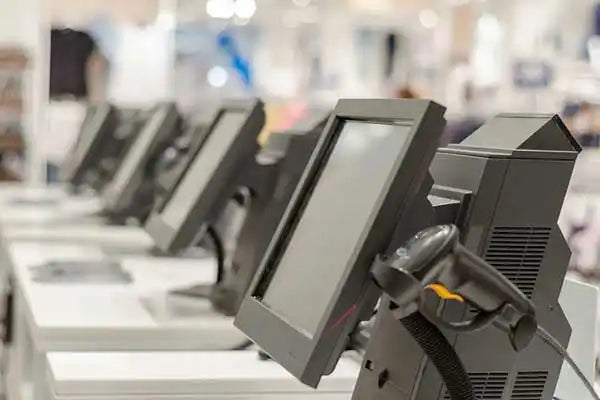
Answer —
(560, 350)
(442, 355)
(242, 198)
(219, 252)
(204, 291)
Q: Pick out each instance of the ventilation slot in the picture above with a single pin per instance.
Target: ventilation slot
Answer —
(487, 385)
(529, 385)
(518, 253)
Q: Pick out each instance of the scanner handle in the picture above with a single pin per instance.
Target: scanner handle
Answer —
(434, 259)
(481, 284)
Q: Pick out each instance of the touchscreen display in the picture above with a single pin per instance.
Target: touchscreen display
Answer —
(334, 223)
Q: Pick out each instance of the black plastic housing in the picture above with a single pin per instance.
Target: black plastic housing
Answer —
(306, 357)
(211, 202)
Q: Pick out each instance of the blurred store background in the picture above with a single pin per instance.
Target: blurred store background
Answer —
(478, 57)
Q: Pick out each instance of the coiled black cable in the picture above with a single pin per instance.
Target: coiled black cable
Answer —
(442, 354)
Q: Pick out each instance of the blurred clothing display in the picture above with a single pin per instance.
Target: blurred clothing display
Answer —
(141, 58)
(70, 51)
(77, 75)
(583, 120)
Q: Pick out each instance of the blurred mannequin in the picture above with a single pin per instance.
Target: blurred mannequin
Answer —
(78, 75)
(77, 68)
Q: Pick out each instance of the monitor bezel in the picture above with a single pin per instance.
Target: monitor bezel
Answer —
(218, 189)
(167, 128)
(106, 114)
(309, 358)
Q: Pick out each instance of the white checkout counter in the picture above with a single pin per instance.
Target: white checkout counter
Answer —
(22, 206)
(69, 219)
(117, 342)
(106, 317)
(240, 375)
(112, 239)
(24, 191)
(70, 209)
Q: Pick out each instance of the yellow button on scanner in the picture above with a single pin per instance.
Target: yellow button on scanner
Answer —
(444, 293)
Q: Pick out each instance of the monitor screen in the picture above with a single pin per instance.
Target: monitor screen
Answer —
(335, 221)
(202, 168)
(90, 128)
(135, 156)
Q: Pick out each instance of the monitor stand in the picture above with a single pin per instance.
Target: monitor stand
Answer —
(189, 300)
(222, 296)
(199, 291)
(221, 299)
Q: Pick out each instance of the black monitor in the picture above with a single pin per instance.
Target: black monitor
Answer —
(312, 286)
(130, 123)
(201, 192)
(113, 149)
(174, 160)
(270, 179)
(120, 192)
(97, 127)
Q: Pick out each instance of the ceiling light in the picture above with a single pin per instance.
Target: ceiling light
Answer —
(301, 3)
(241, 21)
(222, 9)
(244, 9)
(429, 18)
(217, 76)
